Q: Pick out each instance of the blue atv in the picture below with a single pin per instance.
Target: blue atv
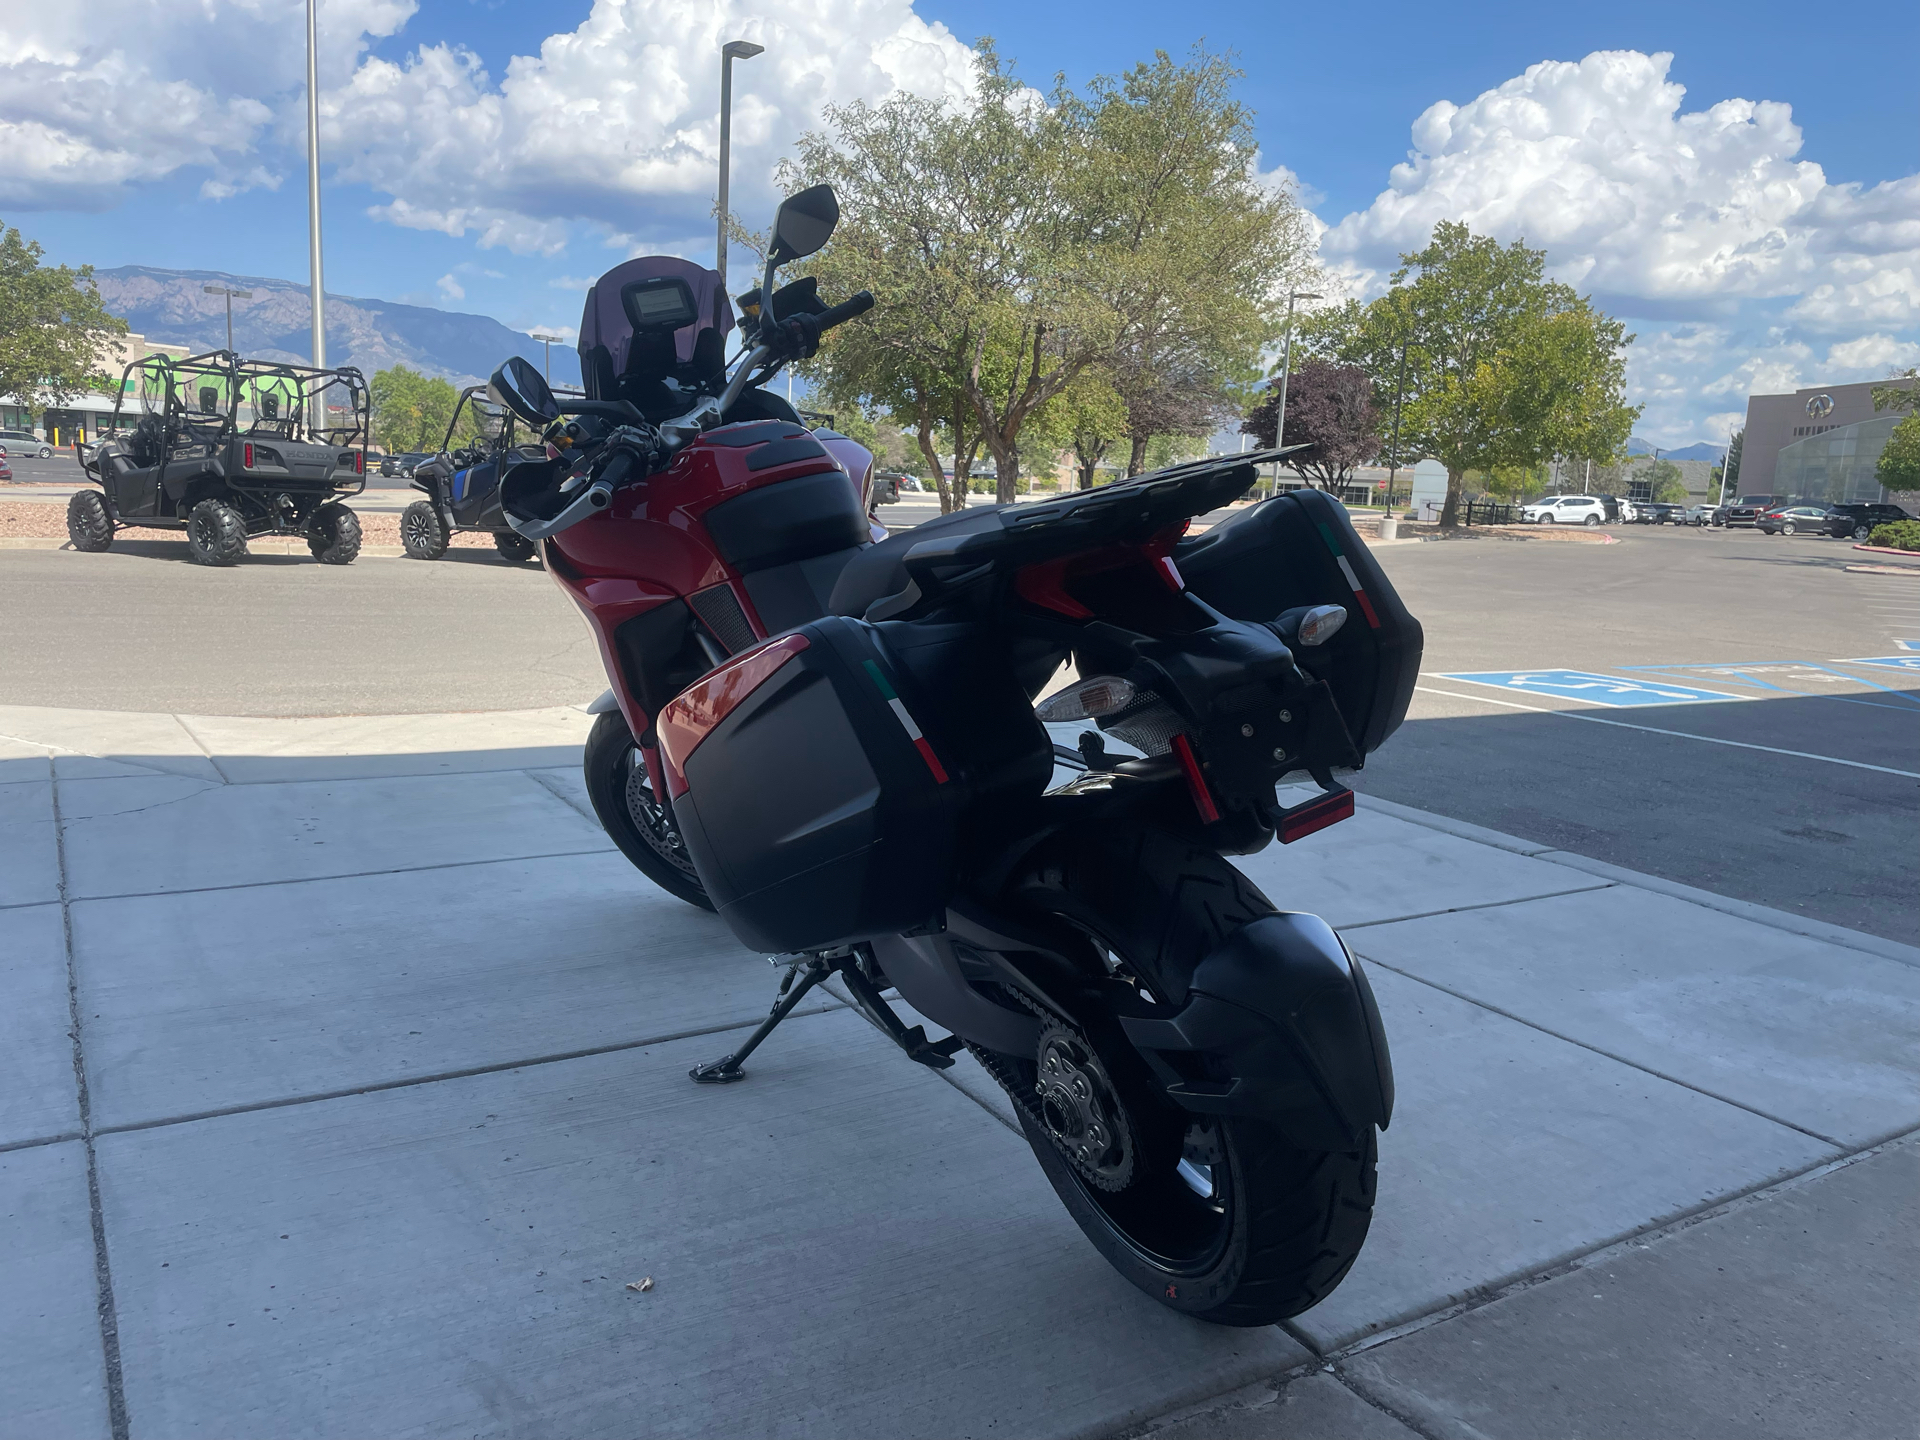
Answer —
(462, 482)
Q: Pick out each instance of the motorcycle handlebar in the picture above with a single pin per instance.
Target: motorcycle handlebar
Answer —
(856, 304)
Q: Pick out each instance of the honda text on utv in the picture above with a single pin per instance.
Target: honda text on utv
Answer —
(462, 482)
(831, 739)
(225, 448)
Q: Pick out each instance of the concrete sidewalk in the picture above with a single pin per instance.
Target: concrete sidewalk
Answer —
(343, 1091)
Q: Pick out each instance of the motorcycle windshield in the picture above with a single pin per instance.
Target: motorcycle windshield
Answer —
(605, 327)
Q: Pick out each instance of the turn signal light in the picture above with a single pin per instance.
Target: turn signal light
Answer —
(1321, 623)
(1102, 695)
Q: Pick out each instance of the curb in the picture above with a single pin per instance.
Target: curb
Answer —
(1913, 555)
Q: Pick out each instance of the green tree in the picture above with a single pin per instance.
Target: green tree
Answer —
(1664, 482)
(1503, 367)
(1899, 465)
(1726, 474)
(1015, 245)
(54, 327)
(411, 411)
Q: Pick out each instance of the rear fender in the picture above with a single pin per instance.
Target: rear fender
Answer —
(1290, 1032)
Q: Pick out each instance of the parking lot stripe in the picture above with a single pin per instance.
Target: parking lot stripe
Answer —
(1676, 734)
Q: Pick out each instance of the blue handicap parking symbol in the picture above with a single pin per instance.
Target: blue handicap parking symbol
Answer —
(1885, 662)
(1599, 689)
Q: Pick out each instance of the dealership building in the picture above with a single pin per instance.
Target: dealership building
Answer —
(1818, 444)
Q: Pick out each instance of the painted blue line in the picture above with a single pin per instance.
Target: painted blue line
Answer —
(1762, 684)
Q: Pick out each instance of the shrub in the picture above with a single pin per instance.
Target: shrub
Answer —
(1900, 535)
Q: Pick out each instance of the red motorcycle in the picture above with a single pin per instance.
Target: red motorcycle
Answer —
(831, 738)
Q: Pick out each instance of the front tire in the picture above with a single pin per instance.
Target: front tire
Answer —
(423, 534)
(89, 526)
(1592, 520)
(216, 535)
(1862, 533)
(1225, 1219)
(636, 820)
(333, 535)
(513, 546)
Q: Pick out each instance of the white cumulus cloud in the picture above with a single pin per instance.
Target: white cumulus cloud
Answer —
(1757, 272)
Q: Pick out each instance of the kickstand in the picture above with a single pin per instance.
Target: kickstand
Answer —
(724, 1071)
(809, 972)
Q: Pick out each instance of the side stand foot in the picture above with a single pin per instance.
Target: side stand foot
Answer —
(724, 1071)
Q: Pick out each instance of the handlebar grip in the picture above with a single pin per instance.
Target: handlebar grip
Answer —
(857, 304)
(619, 467)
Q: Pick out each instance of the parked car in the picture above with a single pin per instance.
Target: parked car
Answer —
(1564, 510)
(1657, 512)
(1700, 515)
(402, 465)
(1857, 521)
(24, 442)
(1793, 519)
(887, 486)
(1749, 508)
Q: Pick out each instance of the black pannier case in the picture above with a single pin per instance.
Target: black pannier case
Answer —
(817, 812)
(1300, 549)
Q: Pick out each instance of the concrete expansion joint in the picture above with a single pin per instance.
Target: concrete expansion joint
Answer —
(1642, 1239)
(560, 794)
(1602, 1051)
(107, 1309)
(1483, 905)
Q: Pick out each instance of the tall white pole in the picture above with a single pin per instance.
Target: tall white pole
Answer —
(317, 282)
(729, 52)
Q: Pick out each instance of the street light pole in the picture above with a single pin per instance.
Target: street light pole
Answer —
(547, 340)
(232, 295)
(729, 52)
(1399, 390)
(316, 280)
(1286, 369)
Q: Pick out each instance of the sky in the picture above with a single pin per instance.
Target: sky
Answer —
(1740, 182)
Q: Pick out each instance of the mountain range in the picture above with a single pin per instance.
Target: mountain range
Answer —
(1701, 450)
(171, 307)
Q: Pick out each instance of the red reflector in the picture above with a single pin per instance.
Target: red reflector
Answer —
(359, 462)
(1303, 820)
(691, 715)
(246, 456)
(1196, 782)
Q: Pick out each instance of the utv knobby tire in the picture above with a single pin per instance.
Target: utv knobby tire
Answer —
(609, 764)
(333, 535)
(216, 535)
(1294, 1220)
(513, 546)
(423, 533)
(88, 524)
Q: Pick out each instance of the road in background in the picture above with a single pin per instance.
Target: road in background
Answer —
(1766, 620)
(1770, 622)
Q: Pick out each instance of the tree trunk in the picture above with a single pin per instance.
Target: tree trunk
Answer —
(1006, 468)
(1137, 456)
(932, 457)
(1450, 513)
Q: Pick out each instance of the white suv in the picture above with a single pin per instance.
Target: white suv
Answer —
(1565, 510)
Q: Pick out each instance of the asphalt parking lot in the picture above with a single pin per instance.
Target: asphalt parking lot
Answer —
(1787, 776)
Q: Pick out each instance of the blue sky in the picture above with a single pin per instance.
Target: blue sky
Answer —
(458, 183)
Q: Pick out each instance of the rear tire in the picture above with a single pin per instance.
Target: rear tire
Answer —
(1592, 520)
(1862, 533)
(423, 534)
(216, 535)
(1787, 528)
(633, 817)
(88, 524)
(333, 535)
(512, 546)
(1281, 1226)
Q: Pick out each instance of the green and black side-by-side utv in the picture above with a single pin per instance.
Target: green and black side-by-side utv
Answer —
(224, 448)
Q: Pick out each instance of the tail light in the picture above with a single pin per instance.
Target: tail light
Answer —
(1302, 820)
(246, 456)
(690, 717)
(359, 462)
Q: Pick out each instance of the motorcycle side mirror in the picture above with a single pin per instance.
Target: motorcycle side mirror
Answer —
(803, 223)
(518, 386)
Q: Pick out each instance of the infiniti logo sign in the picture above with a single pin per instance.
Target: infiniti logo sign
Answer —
(1820, 406)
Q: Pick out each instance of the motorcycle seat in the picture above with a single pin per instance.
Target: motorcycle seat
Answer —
(880, 570)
